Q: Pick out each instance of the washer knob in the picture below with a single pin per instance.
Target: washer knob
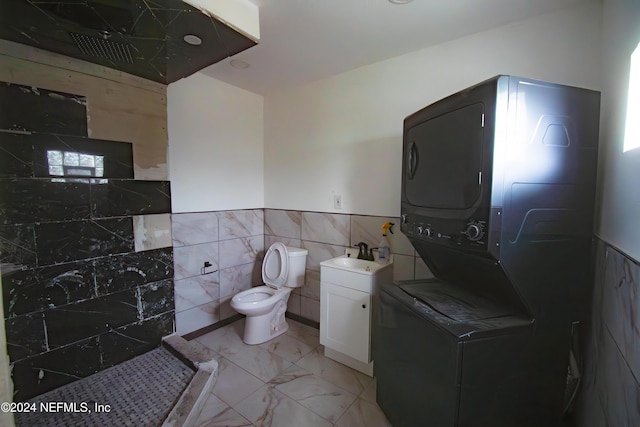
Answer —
(419, 230)
(474, 232)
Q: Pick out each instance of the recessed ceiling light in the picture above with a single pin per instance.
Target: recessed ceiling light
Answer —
(239, 63)
(192, 39)
(400, 1)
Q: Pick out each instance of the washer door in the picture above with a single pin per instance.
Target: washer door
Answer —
(275, 266)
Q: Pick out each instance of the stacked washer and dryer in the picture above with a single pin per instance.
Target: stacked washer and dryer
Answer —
(498, 194)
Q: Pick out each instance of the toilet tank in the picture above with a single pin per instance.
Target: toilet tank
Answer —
(297, 266)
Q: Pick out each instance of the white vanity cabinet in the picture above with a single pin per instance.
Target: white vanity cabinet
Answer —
(347, 316)
(346, 293)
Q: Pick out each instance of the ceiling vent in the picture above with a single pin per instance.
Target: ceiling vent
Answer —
(101, 48)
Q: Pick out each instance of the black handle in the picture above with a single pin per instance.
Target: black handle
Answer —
(362, 254)
(360, 245)
(412, 160)
(364, 306)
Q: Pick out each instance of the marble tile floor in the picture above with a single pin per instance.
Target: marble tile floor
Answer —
(285, 382)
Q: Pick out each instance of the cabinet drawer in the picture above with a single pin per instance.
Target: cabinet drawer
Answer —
(349, 279)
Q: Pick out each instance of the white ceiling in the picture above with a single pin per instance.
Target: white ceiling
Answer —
(306, 40)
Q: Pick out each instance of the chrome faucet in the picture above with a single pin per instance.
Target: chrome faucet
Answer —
(362, 254)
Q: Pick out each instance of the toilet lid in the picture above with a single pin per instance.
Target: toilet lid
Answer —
(275, 265)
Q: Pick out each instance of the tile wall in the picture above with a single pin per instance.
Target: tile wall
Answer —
(327, 235)
(87, 263)
(86, 255)
(610, 390)
(234, 242)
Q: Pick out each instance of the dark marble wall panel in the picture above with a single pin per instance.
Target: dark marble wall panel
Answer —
(17, 247)
(134, 339)
(156, 298)
(16, 157)
(120, 272)
(77, 296)
(39, 374)
(44, 372)
(74, 240)
(125, 323)
(74, 322)
(36, 289)
(25, 336)
(127, 197)
(25, 201)
(26, 108)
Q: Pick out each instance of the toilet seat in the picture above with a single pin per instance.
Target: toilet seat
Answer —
(275, 266)
(259, 299)
(254, 295)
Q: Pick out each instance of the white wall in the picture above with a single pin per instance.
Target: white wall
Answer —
(619, 195)
(343, 135)
(215, 146)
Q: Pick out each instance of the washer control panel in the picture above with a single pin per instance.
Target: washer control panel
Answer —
(470, 233)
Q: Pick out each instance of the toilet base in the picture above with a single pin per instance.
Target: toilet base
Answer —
(259, 329)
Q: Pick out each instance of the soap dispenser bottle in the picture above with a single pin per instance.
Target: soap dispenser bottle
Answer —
(384, 249)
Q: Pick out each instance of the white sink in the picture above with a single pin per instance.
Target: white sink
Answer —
(353, 264)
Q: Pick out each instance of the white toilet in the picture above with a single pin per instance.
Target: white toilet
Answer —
(283, 269)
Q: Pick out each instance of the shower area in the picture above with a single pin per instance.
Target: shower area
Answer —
(86, 255)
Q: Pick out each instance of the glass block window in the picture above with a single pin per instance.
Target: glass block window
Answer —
(70, 163)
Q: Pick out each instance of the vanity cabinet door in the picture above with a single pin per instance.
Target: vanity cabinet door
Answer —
(345, 321)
